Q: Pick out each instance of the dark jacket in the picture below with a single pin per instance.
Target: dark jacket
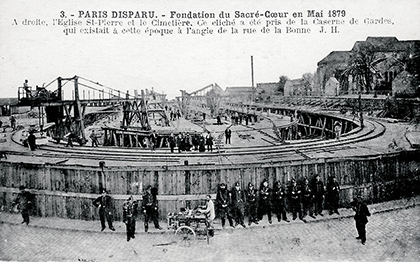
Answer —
(222, 198)
(105, 202)
(307, 191)
(172, 141)
(318, 188)
(149, 200)
(265, 195)
(294, 192)
(362, 212)
(23, 200)
(251, 195)
(278, 195)
(333, 189)
(238, 197)
(130, 209)
(32, 140)
(209, 140)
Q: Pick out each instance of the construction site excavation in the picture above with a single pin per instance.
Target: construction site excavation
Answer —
(102, 138)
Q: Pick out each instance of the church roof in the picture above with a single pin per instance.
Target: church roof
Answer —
(335, 56)
(385, 44)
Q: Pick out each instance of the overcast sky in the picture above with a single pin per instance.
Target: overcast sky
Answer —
(170, 63)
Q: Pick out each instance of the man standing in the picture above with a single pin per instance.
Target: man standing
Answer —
(104, 202)
(13, 122)
(223, 204)
(172, 142)
(209, 211)
(318, 190)
(307, 199)
(70, 138)
(32, 140)
(94, 139)
(194, 140)
(180, 142)
(251, 199)
(238, 203)
(337, 129)
(333, 189)
(201, 143)
(264, 203)
(129, 216)
(228, 134)
(23, 200)
(219, 121)
(171, 114)
(209, 142)
(294, 195)
(187, 142)
(362, 212)
(279, 195)
(150, 208)
(153, 140)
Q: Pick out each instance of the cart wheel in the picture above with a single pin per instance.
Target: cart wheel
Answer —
(185, 234)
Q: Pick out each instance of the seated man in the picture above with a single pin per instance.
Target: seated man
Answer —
(27, 89)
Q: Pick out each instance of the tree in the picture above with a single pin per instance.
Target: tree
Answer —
(282, 81)
(411, 63)
(308, 81)
(342, 79)
(362, 67)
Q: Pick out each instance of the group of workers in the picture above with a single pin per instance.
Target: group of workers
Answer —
(189, 142)
(300, 199)
(149, 207)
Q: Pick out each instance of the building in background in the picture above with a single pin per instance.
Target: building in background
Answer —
(371, 66)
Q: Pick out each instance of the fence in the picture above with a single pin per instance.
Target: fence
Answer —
(68, 191)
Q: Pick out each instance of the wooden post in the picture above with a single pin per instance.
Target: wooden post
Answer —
(310, 124)
(78, 114)
(59, 90)
(130, 140)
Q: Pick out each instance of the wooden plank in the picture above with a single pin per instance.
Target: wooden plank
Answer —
(179, 179)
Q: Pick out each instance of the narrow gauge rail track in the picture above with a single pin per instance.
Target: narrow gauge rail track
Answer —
(371, 130)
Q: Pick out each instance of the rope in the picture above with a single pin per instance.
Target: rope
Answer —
(99, 84)
(50, 83)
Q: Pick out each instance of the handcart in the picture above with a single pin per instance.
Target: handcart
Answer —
(189, 225)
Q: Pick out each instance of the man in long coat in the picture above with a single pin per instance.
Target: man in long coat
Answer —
(130, 207)
(362, 212)
(105, 205)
